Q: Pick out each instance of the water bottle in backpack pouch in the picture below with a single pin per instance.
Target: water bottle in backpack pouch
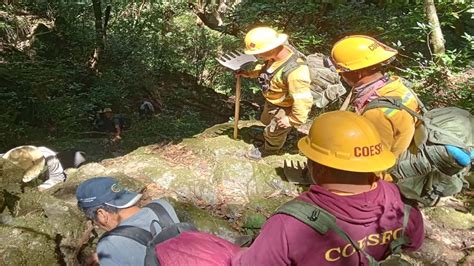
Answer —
(438, 158)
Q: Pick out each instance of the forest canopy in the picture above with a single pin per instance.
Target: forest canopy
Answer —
(61, 61)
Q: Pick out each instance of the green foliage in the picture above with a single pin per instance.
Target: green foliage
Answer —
(158, 50)
(315, 26)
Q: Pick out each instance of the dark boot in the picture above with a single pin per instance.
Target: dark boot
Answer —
(259, 153)
(257, 134)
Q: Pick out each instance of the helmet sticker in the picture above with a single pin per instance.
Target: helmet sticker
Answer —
(366, 151)
(374, 46)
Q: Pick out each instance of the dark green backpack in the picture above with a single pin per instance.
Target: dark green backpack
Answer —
(322, 221)
(426, 172)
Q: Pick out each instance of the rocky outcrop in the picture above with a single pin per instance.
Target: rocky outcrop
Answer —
(36, 226)
(207, 179)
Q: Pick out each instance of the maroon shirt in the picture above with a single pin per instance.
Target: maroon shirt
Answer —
(373, 219)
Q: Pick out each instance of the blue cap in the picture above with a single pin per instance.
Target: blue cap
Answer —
(105, 190)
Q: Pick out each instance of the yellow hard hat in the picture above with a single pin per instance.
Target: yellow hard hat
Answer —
(359, 51)
(263, 39)
(346, 141)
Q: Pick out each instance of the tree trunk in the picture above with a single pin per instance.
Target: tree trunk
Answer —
(437, 39)
(99, 33)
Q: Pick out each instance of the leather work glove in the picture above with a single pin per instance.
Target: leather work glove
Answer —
(283, 122)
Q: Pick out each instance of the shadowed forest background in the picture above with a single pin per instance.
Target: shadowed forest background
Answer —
(62, 61)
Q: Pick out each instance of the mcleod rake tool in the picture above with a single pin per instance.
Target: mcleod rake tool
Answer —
(235, 60)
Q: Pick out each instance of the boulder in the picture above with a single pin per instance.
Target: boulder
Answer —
(206, 178)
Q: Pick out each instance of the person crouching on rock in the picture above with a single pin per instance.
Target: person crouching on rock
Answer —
(108, 205)
(40, 162)
(152, 235)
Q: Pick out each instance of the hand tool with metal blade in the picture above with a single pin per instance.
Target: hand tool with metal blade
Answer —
(235, 60)
(297, 172)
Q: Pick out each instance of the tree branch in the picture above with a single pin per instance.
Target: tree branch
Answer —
(212, 20)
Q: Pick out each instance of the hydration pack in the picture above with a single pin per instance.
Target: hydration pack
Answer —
(427, 171)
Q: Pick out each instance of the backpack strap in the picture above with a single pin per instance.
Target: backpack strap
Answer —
(409, 86)
(396, 245)
(391, 102)
(318, 219)
(314, 216)
(289, 63)
(147, 238)
(265, 78)
(290, 67)
(137, 234)
(322, 221)
(169, 228)
(396, 103)
(140, 235)
(173, 231)
(164, 218)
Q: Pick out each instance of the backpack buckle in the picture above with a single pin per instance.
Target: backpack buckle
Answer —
(314, 216)
(264, 81)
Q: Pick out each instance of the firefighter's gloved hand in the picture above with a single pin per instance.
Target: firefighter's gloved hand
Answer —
(241, 73)
(461, 156)
(283, 122)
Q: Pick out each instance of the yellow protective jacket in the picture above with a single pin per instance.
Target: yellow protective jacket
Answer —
(396, 127)
(295, 93)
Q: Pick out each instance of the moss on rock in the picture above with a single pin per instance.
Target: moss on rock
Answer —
(19, 246)
(204, 220)
(450, 218)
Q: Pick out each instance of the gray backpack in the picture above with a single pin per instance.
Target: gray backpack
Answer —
(326, 86)
(426, 172)
(322, 221)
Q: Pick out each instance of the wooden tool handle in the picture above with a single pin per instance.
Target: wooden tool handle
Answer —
(237, 107)
(346, 103)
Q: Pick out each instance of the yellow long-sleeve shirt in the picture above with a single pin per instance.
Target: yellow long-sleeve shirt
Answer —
(396, 127)
(294, 93)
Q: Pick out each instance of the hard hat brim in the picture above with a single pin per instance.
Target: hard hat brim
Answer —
(33, 154)
(386, 57)
(281, 39)
(376, 163)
